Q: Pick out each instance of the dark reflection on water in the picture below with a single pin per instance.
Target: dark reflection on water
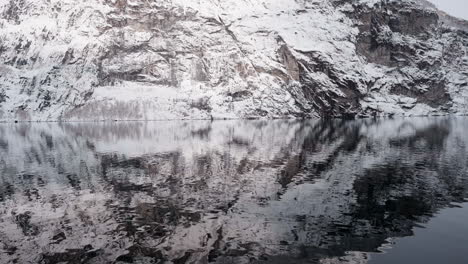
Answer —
(224, 192)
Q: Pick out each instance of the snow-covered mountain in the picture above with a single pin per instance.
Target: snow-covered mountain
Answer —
(181, 59)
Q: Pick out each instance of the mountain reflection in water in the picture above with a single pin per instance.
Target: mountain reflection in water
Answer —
(317, 191)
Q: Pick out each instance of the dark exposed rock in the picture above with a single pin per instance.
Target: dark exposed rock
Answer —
(290, 62)
(24, 223)
(13, 10)
(240, 96)
(377, 25)
(325, 101)
(401, 35)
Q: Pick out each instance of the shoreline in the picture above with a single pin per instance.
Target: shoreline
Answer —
(388, 116)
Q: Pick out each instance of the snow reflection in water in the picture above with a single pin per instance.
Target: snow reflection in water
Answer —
(225, 191)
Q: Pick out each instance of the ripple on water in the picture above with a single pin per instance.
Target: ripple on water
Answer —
(316, 191)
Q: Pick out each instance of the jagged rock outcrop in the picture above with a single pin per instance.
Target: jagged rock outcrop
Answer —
(174, 59)
(424, 60)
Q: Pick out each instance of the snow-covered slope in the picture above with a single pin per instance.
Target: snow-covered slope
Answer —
(179, 59)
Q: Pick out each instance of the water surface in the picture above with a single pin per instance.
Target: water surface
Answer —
(367, 191)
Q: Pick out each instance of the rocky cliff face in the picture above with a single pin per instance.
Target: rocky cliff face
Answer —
(177, 59)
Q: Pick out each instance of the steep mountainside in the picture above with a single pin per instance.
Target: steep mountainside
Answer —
(178, 59)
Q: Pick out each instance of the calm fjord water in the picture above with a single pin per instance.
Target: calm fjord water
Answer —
(312, 191)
